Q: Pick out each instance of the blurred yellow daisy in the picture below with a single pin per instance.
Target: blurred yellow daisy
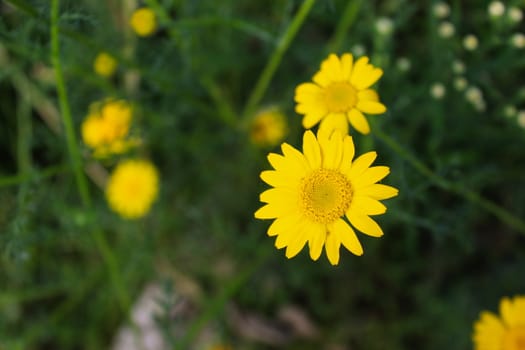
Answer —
(506, 332)
(132, 188)
(106, 128)
(314, 190)
(104, 64)
(143, 21)
(268, 127)
(340, 94)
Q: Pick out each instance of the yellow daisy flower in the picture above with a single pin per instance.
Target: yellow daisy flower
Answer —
(107, 126)
(313, 190)
(268, 127)
(340, 93)
(143, 22)
(104, 65)
(132, 188)
(502, 333)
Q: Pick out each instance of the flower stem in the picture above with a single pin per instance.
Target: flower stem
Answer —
(273, 63)
(74, 154)
(76, 161)
(471, 196)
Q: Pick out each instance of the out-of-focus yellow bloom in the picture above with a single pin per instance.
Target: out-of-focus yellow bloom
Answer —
(104, 64)
(340, 93)
(106, 128)
(268, 127)
(505, 331)
(143, 21)
(132, 188)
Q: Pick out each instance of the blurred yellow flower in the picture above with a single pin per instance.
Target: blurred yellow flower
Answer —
(143, 21)
(313, 190)
(104, 64)
(340, 93)
(268, 127)
(106, 128)
(506, 332)
(132, 188)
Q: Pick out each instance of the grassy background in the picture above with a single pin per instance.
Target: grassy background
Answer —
(443, 259)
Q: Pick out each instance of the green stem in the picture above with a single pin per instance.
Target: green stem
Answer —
(348, 18)
(99, 237)
(266, 76)
(21, 178)
(76, 160)
(471, 196)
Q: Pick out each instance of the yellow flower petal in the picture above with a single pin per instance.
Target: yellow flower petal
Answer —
(377, 191)
(488, 332)
(334, 122)
(364, 223)
(317, 238)
(332, 68)
(297, 243)
(286, 237)
(361, 164)
(284, 224)
(368, 77)
(371, 176)
(311, 150)
(346, 66)
(371, 107)
(277, 161)
(348, 154)
(286, 196)
(312, 118)
(278, 179)
(322, 79)
(268, 212)
(307, 92)
(519, 308)
(332, 245)
(358, 121)
(295, 157)
(367, 95)
(367, 206)
(364, 75)
(357, 72)
(347, 237)
(508, 315)
(287, 169)
(332, 151)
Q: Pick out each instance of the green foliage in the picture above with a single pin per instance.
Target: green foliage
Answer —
(453, 244)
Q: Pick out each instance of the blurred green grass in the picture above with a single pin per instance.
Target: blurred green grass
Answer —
(442, 260)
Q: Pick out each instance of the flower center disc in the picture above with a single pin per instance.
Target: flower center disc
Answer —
(514, 339)
(340, 97)
(325, 195)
